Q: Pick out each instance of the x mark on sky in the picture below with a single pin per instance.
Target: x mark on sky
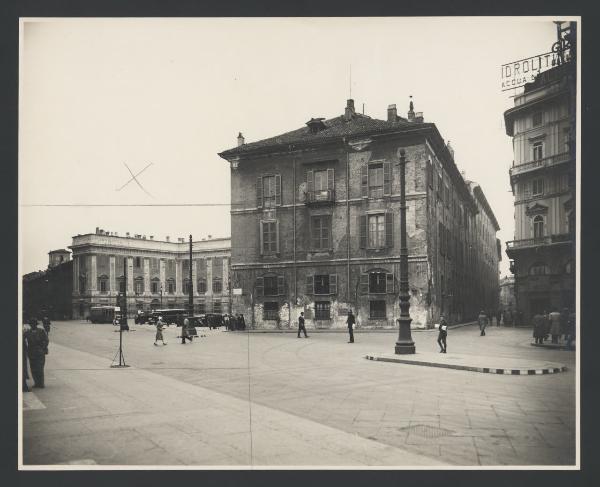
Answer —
(134, 178)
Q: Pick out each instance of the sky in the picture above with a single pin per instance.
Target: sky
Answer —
(96, 94)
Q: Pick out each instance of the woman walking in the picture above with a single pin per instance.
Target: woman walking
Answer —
(159, 331)
(443, 326)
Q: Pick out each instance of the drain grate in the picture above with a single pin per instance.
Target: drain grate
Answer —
(427, 431)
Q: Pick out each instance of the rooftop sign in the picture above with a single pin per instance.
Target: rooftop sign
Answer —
(518, 73)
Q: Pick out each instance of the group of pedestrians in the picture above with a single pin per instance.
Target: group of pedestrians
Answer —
(35, 349)
(234, 322)
(553, 326)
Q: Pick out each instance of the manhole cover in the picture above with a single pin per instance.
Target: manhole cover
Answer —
(427, 431)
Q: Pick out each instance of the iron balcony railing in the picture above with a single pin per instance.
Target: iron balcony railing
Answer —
(321, 196)
(536, 242)
(540, 163)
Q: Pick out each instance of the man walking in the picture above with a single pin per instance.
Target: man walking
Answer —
(37, 348)
(498, 317)
(483, 322)
(301, 326)
(185, 335)
(159, 331)
(554, 318)
(443, 327)
(350, 321)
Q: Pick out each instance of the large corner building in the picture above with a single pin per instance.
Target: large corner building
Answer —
(315, 225)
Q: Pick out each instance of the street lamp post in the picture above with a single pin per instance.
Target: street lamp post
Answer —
(191, 286)
(404, 344)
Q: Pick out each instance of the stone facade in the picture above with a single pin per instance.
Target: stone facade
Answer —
(542, 124)
(157, 273)
(315, 226)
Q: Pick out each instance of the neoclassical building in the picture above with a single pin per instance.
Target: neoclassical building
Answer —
(157, 272)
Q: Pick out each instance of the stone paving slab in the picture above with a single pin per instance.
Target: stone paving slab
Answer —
(474, 363)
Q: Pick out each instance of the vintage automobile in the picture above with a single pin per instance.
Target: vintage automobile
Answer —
(102, 314)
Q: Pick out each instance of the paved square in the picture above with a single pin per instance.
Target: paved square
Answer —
(274, 400)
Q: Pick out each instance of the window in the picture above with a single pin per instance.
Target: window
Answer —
(429, 174)
(138, 262)
(537, 119)
(269, 238)
(155, 287)
(217, 285)
(217, 308)
(538, 227)
(320, 180)
(376, 181)
(201, 286)
(270, 311)
(322, 284)
(186, 287)
(321, 232)
(538, 151)
(377, 309)
(103, 284)
(268, 191)
(171, 286)
(538, 269)
(377, 282)
(376, 231)
(537, 187)
(270, 286)
(322, 310)
(121, 282)
(139, 286)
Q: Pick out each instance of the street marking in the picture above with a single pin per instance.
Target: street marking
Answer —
(30, 402)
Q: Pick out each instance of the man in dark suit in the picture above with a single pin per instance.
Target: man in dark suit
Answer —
(351, 321)
(37, 348)
(301, 326)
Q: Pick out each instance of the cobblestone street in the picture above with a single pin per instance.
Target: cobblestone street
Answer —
(313, 401)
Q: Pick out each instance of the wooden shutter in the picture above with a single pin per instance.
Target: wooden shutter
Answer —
(387, 178)
(310, 181)
(260, 237)
(389, 283)
(260, 286)
(389, 229)
(280, 285)
(330, 179)
(364, 181)
(362, 225)
(259, 192)
(277, 236)
(364, 284)
(310, 284)
(332, 283)
(277, 189)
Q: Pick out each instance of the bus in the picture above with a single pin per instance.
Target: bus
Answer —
(102, 314)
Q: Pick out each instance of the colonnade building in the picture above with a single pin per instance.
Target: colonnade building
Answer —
(157, 272)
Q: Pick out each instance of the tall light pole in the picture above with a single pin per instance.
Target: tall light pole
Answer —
(191, 286)
(404, 344)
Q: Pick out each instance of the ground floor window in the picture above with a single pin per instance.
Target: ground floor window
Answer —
(377, 309)
(217, 307)
(201, 308)
(322, 310)
(271, 311)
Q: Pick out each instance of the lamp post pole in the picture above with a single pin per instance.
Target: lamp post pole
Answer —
(404, 344)
(191, 286)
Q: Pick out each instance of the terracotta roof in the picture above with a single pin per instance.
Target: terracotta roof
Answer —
(334, 128)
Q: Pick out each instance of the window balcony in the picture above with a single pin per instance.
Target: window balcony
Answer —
(537, 242)
(326, 196)
(543, 163)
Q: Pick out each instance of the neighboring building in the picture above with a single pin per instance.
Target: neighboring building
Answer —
(315, 225)
(48, 293)
(542, 125)
(507, 293)
(157, 273)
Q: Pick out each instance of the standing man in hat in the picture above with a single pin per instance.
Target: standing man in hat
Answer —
(301, 326)
(351, 321)
(37, 348)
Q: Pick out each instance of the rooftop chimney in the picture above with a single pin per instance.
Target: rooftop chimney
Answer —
(168, 238)
(392, 113)
(349, 113)
(419, 117)
(450, 149)
(240, 139)
(316, 125)
(97, 230)
(411, 111)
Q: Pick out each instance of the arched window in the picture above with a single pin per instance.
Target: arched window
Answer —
(155, 285)
(201, 286)
(171, 286)
(538, 269)
(538, 226)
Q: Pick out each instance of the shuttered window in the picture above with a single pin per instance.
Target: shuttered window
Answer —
(270, 286)
(269, 237)
(268, 191)
(321, 232)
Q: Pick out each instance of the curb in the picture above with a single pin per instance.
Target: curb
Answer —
(483, 370)
(345, 330)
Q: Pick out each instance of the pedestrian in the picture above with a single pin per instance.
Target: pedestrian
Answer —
(226, 321)
(185, 335)
(351, 321)
(46, 323)
(159, 331)
(26, 328)
(301, 326)
(498, 317)
(554, 319)
(37, 349)
(539, 329)
(571, 327)
(242, 322)
(483, 321)
(443, 327)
